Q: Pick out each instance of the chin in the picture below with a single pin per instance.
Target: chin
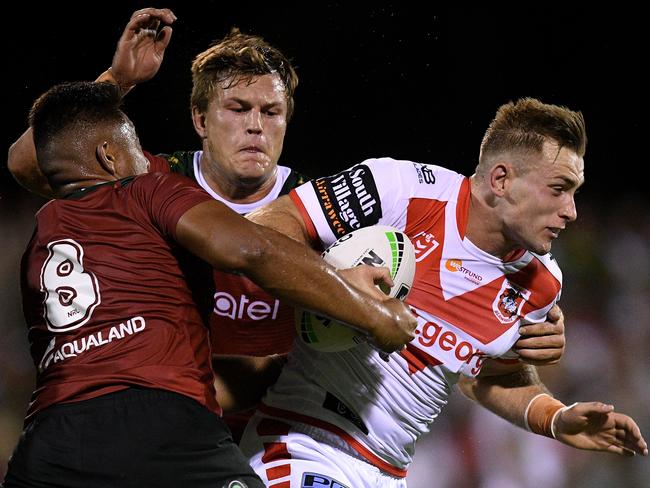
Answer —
(543, 249)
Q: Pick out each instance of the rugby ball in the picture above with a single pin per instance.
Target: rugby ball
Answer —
(378, 245)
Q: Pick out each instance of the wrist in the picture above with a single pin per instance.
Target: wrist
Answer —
(556, 418)
(108, 76)
(542, 413)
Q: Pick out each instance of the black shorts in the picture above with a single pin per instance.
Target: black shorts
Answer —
(132, 438)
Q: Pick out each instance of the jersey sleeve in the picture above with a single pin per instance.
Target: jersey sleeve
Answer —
(166, 197)
(377, 191)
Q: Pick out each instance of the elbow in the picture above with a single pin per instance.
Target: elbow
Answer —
(13, 163)
(251, 252)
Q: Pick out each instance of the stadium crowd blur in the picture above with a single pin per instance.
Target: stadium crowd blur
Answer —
(417, 87)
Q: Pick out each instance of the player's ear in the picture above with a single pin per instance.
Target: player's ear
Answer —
(105, 157)
(498, 178)
(198, 118)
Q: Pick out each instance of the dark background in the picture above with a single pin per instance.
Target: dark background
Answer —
(389, 81)
(381, 80)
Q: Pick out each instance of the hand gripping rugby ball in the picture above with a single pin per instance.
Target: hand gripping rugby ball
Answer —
(378, 245)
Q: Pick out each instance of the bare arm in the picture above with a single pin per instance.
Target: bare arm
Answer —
(291, 272)
(520, 397)
(137, 58)
(282, 215)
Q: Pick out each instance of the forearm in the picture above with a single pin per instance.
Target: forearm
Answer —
(108, 76)
(506, 395)
(290, 271)
(297, 274)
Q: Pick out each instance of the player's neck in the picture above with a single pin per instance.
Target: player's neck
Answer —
(484, 229)
(238, 191)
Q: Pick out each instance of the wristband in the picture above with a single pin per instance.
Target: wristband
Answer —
(556, 415)
(541, 413)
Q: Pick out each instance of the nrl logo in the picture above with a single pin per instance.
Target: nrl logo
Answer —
(508, 302)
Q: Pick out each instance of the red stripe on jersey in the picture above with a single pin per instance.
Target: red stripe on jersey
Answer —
(311, 228)
(334, 429)
(272, 427)
(462, 207)
(417, 359)
(284, 484)
(274, 451)
(278, 472)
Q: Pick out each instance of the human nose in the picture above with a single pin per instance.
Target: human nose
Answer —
(569, 210)
(254, 122)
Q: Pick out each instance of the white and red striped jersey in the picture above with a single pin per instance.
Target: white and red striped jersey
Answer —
(469, 303)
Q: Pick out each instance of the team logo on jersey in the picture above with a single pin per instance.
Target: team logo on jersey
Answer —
(315, 480)
(425, 173)
(424, 244)
(509, 301)
(349, 200)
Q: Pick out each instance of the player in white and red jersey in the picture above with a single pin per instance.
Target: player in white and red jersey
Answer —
(483, 270)
(124, 393)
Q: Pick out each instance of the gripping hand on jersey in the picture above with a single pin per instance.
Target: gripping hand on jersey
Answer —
(595, 426)
(141, 47)
(542, 344)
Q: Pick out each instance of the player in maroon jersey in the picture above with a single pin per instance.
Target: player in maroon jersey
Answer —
(242, 101)
(124, 393)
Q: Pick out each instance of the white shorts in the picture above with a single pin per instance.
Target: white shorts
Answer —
(284, 458)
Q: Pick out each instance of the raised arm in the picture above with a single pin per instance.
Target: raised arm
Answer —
(291, 272)
(137, 58)
(520, 397)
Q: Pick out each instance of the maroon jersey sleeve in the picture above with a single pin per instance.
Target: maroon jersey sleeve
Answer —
(157, 164)
(166, 197)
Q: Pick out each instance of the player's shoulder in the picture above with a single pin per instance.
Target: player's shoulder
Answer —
(423, 172)
(157, 181)
(549, 263)
(181, 162)
(290, 179)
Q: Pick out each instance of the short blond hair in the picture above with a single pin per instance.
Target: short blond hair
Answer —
(523, 126)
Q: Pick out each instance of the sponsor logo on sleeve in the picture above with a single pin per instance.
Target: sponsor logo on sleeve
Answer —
(425, 174)
(349, 200)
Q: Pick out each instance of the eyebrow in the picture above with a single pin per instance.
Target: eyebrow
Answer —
(569, 181)
(247, 103)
